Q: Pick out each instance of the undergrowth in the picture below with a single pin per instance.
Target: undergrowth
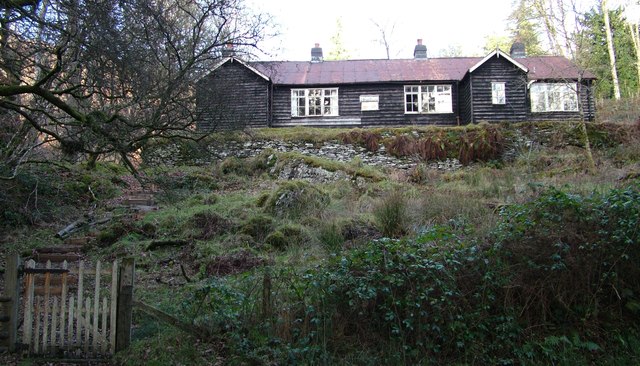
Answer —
(555, 276)
(482, 265)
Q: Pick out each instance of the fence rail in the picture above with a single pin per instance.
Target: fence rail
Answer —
(57, 320)
(69, 310)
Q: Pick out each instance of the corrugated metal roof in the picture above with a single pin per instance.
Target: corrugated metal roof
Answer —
(553, 67)
(407, 70)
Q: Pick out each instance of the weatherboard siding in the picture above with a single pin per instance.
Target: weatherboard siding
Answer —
(465, 101)
(390, 111)
(237, 94)
(232, 96)
(498, 69)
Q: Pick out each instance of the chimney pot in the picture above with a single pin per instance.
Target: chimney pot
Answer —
(420, 51)
(316, 53)
(518, 50)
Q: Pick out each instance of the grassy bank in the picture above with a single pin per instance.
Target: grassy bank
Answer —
(524, 260)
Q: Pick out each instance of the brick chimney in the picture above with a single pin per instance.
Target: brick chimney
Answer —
(316, 53)
(420, 51)
(518, 50)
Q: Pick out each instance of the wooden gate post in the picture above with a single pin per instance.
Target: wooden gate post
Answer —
(125, 304)
(12, 288)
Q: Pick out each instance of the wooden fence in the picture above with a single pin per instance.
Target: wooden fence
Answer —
(9, 305)
(72, 310)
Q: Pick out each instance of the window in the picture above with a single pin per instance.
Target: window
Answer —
(314, 102)
(497, 93)
(427, 99)
(554, 97)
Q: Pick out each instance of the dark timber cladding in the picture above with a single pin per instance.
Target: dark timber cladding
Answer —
(233, 96)
(390, 108)
(420, 91)
(498, 70)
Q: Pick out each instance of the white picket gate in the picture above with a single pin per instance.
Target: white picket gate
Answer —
(70, 311)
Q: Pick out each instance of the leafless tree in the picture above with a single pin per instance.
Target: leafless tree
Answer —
(632, 17)
(612, 54)
(104, 77)
(386, 33)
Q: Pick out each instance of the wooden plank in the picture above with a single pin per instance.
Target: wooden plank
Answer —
(125, 304)
(87, 272)
(103, 329)
(12, 290)
(44, 270)
(58, 279)
(54, 327)
(70, 327)
(113, 307)
(161, 315)
(36, 313)
(77, 241)
(60, 249)
(63, 303)
(87, 325)
(79, 297)
(139, 202)
(58, 258)
(28, 306)
(96, 307)
(52, 291)
(80, 304)
(47, 291)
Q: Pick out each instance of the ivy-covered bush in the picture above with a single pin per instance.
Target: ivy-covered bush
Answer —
(556, 274)
(572, 259)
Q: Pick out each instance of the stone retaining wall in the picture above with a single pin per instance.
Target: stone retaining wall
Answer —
(171, 154)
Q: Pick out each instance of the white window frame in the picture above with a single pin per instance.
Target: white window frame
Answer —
(498, 93)
(314, 102)
(428, 99)
(553, 97)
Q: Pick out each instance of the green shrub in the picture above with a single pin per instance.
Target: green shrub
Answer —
(277, 240)
(571, 258)
(249, 167)
(209, 224)
(258, 227)
(177, 184)
(112, 233)
(391, 215)
(287, 236)
(297, 198)
(416, 299)
(331, 236)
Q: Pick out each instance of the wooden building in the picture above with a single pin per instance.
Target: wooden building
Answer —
(418, 91)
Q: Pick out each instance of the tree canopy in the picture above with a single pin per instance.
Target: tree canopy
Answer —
(593, 55)
(104, 77)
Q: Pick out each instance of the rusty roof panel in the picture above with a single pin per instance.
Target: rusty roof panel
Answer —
(408, 70)
(553, 67)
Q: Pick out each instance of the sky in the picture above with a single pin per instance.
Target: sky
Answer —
(442, 24)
